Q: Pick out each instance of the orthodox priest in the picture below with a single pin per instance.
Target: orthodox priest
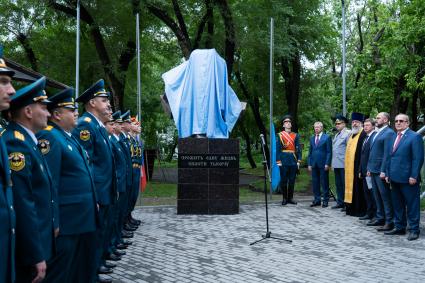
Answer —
(354, 198)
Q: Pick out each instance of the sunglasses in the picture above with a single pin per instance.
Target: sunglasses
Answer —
(400, 121)
(287, 121)
(338, 123)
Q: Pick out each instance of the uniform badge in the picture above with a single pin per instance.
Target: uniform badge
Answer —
(84, 135)
(16, 161)
(44, 146)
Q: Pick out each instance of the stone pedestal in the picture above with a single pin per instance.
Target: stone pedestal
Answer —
(208, 176)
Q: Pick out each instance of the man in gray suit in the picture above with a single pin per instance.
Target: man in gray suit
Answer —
(376, 168)
(339, 143)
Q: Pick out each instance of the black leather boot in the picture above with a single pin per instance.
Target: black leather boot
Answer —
(291, 194)
(284, 194)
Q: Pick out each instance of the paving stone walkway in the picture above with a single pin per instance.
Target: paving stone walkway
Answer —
(327, 246)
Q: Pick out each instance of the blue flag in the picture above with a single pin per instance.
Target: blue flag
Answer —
(275, 171)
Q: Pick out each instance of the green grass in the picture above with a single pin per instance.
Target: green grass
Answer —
(422, 204)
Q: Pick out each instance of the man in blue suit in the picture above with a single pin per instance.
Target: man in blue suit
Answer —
(376, 167)
(35, 204)
(403, 171)
(7, 212)
(319, 162)
(92, 135)
(74, 186)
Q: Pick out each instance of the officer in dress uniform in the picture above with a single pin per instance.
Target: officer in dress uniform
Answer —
(135, 132)
(289, 155)
(119, 181)
(36, 214)
(74, 185)
(129, 227)
(7, 212)
(92, 135)
(125, 141)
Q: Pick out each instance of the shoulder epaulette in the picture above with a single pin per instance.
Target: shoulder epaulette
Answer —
(87, 119)
(48, 128)
(18, 135)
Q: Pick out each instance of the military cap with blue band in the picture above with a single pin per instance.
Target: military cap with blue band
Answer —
(126, 116)
(32, 93)
(64, 98)
(96, 90)
(116, 117)
(4, 70)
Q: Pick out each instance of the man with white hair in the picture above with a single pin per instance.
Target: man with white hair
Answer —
(319, 162)
(354, 197)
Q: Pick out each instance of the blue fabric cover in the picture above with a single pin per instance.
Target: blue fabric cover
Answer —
(200, 98)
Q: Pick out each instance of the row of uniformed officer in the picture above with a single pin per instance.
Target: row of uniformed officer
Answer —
(94, 137)
(63, 192)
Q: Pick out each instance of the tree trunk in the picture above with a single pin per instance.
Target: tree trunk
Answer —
(254, 103)
(291, 72)
(248, 145)
(29, 52)
(414, 118)
(229, 27)
(399, 102)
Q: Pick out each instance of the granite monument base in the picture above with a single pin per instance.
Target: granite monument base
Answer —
(208, 176)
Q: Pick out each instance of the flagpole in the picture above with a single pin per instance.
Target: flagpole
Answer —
(139, 101)
(271, 96)
(77, 51)
(344, 95)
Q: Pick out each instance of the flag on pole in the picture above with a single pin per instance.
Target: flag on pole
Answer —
(275, 171)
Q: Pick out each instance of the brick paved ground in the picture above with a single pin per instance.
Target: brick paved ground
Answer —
(327, 247)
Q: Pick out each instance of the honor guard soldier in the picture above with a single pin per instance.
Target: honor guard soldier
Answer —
(35, 206)
(74, 186)
(289, 155)
(92, 135)
(7, 212)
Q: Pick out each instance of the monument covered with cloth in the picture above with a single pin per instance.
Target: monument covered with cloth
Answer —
(205, 109)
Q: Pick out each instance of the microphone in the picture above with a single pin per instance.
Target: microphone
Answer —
(263, 141)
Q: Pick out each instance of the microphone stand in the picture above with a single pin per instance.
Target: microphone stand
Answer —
(266, 173)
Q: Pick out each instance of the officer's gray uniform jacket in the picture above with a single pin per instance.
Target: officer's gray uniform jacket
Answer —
(339, 144)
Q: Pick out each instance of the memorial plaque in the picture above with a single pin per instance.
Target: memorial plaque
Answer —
(208, 176)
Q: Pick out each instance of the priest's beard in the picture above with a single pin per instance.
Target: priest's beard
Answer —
(355, 130)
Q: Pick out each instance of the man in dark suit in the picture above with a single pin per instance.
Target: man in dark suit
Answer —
(369, 129)
(74, 186)
(7, 212)
(319, 162)
(35, 204)
(92, 135)
(376, 166)
(403, 171)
